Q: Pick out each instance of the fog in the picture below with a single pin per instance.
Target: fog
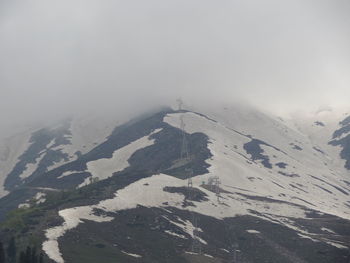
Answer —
(62, 57)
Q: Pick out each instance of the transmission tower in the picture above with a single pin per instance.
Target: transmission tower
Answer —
(214, 184)
(234, 252)
(217, 183)
(184, 155)
(184, 145)
(179, 103)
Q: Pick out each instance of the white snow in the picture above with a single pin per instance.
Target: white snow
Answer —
(230, 163)
(249, 186)
(86, 133)
(191, 253)
(72, 217)
(327, 230)
(10, 150)
(187, 227)
(104, 168)
(86, 181)
(40, 197)
(252, 231)
(131, 254)
(51, 144)
(24, 205)
(31, 167)
(67, 173)
(337, 245)
(175, 234)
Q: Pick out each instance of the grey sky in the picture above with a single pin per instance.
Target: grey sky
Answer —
(71, 55)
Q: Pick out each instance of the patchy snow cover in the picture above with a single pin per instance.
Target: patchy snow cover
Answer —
(187, 227)
(31, 167)
(86, 133)
(149, 192)
(40, 198)
(299, 186)
(104, 168)
(175, 234)
(72, 218)
(278, 194)
(10, 150)
(126, 198)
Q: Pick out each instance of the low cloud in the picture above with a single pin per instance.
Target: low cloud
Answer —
(63, 57)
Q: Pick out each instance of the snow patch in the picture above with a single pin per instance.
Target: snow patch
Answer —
(40, 198)
(175, 234)
(131, 254)
(24, 205)
(10, 150)
(72, 218)
(337, 245)
(252, 231)
(68, 173)
(104, 168)
(327, 230)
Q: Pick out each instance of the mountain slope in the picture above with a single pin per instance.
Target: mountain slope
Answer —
(283, 196)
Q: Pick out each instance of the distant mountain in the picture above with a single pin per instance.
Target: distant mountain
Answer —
(196, 185)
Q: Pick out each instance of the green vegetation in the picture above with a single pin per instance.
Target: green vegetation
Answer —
(21, 219)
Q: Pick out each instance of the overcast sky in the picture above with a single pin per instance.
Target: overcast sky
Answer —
(67, 56)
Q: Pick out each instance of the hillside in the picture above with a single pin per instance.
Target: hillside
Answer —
(236, 183)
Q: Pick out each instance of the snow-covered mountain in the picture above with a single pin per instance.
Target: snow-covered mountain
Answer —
(119, 190)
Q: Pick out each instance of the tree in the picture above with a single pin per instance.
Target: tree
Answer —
(12, 250)
(2, 253)
(22, 257)
(33, 256)
(28, 255)
(41, 258)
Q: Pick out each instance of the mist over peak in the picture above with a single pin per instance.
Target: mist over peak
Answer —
(73, 57)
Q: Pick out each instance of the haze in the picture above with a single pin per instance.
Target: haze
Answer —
(63, 57)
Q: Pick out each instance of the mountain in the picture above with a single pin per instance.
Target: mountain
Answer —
(229, 184)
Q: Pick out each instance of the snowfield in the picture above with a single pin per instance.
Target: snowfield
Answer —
(230, 164)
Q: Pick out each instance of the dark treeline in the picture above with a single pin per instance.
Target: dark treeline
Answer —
(9, 255)
(30, 256)
(2, 253)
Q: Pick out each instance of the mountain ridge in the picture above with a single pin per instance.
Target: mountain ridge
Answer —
(268, 171)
